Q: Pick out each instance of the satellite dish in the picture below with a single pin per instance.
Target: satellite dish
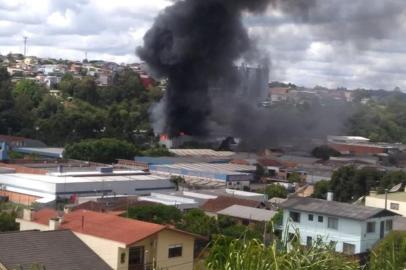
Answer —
(396, 188)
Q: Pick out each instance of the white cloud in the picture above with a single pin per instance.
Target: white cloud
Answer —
(357, 44)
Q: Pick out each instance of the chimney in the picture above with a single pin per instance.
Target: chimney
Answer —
(28, 214)
(330, 196)
(54, 224)
(67, 209)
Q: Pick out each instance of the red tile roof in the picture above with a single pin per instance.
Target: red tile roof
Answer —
(107, 226)
(222, 202)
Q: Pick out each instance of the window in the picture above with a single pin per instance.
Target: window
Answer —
(309, 241)
(389, 225)
(332, 223)
(370, 227)
(348, 249)
(320, 218)
(310, 217)
(394, 206)
(122, 257)
(295, 216)
(175, 251)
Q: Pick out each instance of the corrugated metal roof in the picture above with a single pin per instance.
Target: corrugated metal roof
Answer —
(250, 213)
(201, 152)
(336, 209)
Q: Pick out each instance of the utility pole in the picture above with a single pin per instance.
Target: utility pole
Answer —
(25, 46)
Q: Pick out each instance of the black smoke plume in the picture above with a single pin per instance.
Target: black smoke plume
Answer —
(195, 43)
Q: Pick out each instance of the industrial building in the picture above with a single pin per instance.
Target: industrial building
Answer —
(27, 188)
(210, 174)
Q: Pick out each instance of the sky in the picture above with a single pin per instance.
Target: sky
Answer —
(333, 43)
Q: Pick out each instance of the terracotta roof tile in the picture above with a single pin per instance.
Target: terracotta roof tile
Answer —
(107, 226)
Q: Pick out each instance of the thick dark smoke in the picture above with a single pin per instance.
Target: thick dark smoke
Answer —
(194, 43)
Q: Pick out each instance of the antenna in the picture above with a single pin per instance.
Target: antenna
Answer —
(25, 45)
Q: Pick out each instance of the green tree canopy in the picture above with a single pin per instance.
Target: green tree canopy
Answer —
(101, 150)
(161, 214)
(275, 190)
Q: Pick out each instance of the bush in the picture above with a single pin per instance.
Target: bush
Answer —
(390, 253)
(160, 214)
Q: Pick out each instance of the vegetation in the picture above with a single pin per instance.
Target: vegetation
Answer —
(231, 254)
(390, 253)
(158, 213)
(324, 152)
(85, 110)
(101, 150)
(320, 189)
(349, 183)
(7, 221)
(275, 190)
(382, 119)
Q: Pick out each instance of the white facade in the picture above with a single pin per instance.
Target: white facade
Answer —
(349, 232)
(64, 185)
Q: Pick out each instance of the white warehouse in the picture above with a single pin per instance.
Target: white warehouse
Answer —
(46, 188)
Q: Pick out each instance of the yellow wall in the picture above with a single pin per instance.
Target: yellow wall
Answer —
(108, 250)
(169, 237)
(380, 203)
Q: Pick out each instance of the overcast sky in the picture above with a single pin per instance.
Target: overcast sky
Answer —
(350, 43)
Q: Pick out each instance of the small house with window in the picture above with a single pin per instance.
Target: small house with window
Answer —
(352, 229)
(122, 243)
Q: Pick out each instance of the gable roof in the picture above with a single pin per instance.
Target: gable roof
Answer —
(56, 250)
(222, 202)
(123, 230)
(246, 212)
(335, 209)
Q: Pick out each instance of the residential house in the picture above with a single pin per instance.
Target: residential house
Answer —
(212, 206)
(121, 242)
(52, 250)
(395, 202)
(353, 229)
(246, 215)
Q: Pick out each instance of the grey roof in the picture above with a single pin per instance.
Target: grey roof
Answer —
(246, 212)
(336, 209)
(55, 250)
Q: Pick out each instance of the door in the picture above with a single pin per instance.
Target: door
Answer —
(136, 258)
(382, 230)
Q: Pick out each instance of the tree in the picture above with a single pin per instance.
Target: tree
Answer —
(320, 189)
(7, 222)
(294, 177)
(197, 222)
(31, 89)
(324, 152)
(104, 150)
(348, 183)
(177, 181)
(160, 214)
(275, 190)
(390, 253)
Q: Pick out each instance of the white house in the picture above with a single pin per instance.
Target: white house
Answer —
(354, 229)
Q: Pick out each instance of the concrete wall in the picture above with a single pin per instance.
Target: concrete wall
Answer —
(169, 237)
(26, 225)
(380, 203)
